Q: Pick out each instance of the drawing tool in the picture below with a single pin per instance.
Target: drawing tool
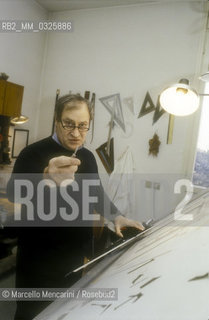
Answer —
(74, 153)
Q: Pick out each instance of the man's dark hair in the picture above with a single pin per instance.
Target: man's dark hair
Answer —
(61, 102)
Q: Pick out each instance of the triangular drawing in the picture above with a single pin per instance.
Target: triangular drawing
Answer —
(159, 111)
(147, 106)
(114, 102)
(129, 101)
(107, 160)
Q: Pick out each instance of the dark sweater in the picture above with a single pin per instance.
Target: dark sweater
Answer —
(35, 157)
(46, 254)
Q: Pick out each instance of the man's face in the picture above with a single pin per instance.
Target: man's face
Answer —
(74, 113)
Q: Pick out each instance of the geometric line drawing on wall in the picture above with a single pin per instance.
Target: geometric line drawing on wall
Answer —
(107, 159)
(129, 101)
(159, 111)
(113, 102)
(147, 106)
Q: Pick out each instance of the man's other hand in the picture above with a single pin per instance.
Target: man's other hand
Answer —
(122, 222)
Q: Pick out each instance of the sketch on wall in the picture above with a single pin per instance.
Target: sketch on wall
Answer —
(147, 106)
(159, 111)
(113, 102)
(107, 159)
(129, 101)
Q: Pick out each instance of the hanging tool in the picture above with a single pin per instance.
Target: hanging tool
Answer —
(92, 106)
(57, 96)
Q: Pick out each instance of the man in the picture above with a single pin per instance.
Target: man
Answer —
(46, 255)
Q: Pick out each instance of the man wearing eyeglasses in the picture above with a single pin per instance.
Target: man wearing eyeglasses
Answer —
(46, 255)
(73, 116)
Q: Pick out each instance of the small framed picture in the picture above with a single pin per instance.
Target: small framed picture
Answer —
(20, 141)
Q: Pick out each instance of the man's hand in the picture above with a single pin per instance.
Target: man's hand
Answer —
(121, 222)
(62, 168)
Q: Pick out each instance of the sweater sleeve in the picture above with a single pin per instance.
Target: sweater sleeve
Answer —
(26, 167)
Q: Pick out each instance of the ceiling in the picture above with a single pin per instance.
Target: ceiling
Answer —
(62, 5)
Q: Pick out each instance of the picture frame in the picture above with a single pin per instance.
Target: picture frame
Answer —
(20, 141)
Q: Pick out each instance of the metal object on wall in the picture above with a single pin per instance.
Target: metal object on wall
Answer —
(107, 159)
(56, 98)
(92, 104)
(147, 106)
(114, 102)
(170, 129)
(158, 112)
(92, 109)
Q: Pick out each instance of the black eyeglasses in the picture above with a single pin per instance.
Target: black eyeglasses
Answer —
(71, 127)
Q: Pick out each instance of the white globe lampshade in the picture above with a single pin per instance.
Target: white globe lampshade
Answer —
(180, 99)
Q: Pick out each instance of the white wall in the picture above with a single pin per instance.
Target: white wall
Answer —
(129, 50)
(22, 56)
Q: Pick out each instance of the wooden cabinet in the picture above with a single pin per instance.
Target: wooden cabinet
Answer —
(11, 95)
(2, 94)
